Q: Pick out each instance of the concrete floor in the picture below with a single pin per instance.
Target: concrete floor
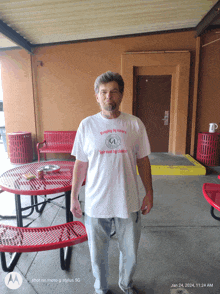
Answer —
(178, 252)
(168, 159)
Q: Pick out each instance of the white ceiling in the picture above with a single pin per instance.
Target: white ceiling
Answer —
(54, 21)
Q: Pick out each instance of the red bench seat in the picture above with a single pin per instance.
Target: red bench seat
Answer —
(22, 239)
(56, 142)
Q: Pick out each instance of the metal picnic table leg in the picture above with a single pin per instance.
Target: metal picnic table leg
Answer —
(65, 253)
(15, 257)
(23, 216)
(42, 205)
(12, 264)
(213, 215)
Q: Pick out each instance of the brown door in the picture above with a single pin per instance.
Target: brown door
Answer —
(153, 108)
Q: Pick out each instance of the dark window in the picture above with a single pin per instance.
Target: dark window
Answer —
(1, 106)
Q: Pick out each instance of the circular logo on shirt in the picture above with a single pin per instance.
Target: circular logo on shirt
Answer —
(113, 141)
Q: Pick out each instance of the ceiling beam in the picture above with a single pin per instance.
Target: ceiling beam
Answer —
(208, 19)
(15, 37)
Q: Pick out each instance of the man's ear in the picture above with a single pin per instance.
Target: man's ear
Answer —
(97, 98)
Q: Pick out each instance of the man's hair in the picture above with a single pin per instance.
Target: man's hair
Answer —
(107, 77)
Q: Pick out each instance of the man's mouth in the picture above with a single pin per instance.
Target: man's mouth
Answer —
(110, 106)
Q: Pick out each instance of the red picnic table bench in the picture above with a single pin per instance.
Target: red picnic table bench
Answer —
(56, 142)
(211, 193)
(22, 239)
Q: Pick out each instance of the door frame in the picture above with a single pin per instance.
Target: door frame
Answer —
(176, 64)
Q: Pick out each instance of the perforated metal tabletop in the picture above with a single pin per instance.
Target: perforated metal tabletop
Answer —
(13, 180)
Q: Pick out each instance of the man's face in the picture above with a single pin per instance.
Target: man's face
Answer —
(109, 97)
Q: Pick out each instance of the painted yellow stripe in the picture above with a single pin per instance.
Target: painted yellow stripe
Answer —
(179, 170)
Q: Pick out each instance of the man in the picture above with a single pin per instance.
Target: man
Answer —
(107, 147)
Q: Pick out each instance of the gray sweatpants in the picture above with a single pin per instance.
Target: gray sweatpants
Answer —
(128, 233)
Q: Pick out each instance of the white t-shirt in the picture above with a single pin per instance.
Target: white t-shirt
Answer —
(111, 148)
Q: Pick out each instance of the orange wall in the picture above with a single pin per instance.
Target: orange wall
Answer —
(17, 92)
(64, 76)
(209, 83)
(65, 80)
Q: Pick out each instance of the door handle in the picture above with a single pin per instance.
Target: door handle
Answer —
(166, 117)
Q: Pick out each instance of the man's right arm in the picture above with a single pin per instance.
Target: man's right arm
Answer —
(79, 174)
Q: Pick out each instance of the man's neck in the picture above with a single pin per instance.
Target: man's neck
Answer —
(111, 114)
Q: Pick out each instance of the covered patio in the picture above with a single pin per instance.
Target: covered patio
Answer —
(48, 86)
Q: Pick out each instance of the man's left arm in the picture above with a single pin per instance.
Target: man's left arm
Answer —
(144, 169)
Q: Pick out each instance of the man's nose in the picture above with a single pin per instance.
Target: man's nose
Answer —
(108, 95)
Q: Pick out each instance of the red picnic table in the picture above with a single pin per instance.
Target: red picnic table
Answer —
(55, 180)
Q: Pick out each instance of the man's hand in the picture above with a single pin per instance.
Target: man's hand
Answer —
(75, 209)
(147, 203)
